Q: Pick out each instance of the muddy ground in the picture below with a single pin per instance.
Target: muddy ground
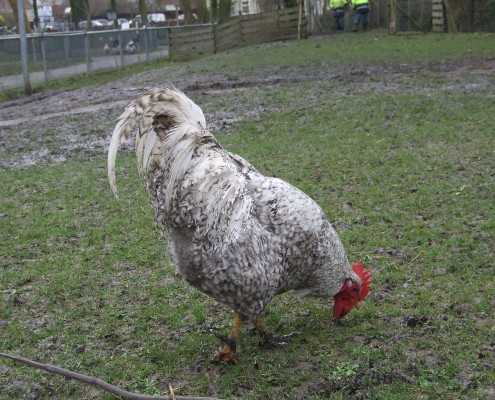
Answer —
(54, 126)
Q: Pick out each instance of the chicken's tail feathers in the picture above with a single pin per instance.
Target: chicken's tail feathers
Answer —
(167, 105)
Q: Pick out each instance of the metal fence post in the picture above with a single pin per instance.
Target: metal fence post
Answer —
(86, 51)
(67, 48)
(146, 43)
(168, 42)
(121, 48)
(43, 57)
(33, 49)
(23, 44)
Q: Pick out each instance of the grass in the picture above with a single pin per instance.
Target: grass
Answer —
(407, 177)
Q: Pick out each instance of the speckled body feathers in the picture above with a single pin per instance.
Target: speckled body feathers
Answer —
(234, 234)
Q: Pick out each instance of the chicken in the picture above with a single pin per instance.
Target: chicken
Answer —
(130, 47)
(113, 45)
(236, 235)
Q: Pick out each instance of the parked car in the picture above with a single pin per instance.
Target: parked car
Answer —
(54, 27)
(153, 19)
(96, 23)
(102, 24)
(156, 17)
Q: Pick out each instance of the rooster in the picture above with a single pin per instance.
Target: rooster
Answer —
(236, 235)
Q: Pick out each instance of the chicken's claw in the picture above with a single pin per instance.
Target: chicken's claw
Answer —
(269, 338)
(225, 355)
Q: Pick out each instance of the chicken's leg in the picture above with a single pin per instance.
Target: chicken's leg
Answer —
(227, 354)
(269, 338)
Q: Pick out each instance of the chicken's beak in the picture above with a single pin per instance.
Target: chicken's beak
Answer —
(357, 305)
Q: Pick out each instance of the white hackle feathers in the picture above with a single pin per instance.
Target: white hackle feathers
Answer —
(168, 101)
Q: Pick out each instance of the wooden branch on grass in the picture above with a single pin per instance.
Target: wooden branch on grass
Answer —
(414, 259)
(91, 380)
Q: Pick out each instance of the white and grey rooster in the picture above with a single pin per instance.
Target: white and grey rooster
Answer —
(235, 234)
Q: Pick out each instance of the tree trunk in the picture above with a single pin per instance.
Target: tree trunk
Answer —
(224, 8)
(13, 5)
(143, 11)
(185, 5)
(214, 10)
(202, 11)
(87, 13)
(113, 8)
(36, 18)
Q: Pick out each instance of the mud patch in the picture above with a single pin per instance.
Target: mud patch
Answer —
(41, 129)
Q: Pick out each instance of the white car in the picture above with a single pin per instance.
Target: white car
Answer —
(101, 23)
(123, 23)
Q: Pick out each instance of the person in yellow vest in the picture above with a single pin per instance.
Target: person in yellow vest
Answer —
(362, 9)
(338, 7)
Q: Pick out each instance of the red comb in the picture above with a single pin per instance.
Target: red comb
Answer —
(365, 277)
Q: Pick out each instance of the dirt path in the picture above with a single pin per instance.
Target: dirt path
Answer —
(54, 126)
(79, 110)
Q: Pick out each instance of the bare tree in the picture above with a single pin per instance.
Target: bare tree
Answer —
(87, 12)
(185, 5)
(36, 18)
(202, 11)
(143, 11)
(113, 8)
(214, 10)
(13, 5)
(224, 9)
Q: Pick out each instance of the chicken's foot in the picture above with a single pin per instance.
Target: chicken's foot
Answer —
(269, 338)
(227, 353)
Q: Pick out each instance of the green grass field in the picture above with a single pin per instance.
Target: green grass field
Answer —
(401, 159)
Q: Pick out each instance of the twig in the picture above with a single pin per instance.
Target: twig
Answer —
(98, 382)
(414, 259)
(171, 390)
(303, 108)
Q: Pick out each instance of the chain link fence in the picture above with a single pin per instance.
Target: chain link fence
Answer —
(55, 55)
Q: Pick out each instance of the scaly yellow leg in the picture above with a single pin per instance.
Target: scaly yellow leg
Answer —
(227, 354)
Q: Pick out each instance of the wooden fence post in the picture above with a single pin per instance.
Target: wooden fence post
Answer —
(392, 17)
(301, 3)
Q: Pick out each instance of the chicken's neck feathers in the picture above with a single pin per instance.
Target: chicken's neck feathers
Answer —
(167, 101)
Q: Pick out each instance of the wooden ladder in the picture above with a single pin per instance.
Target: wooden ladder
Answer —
(437, 16)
